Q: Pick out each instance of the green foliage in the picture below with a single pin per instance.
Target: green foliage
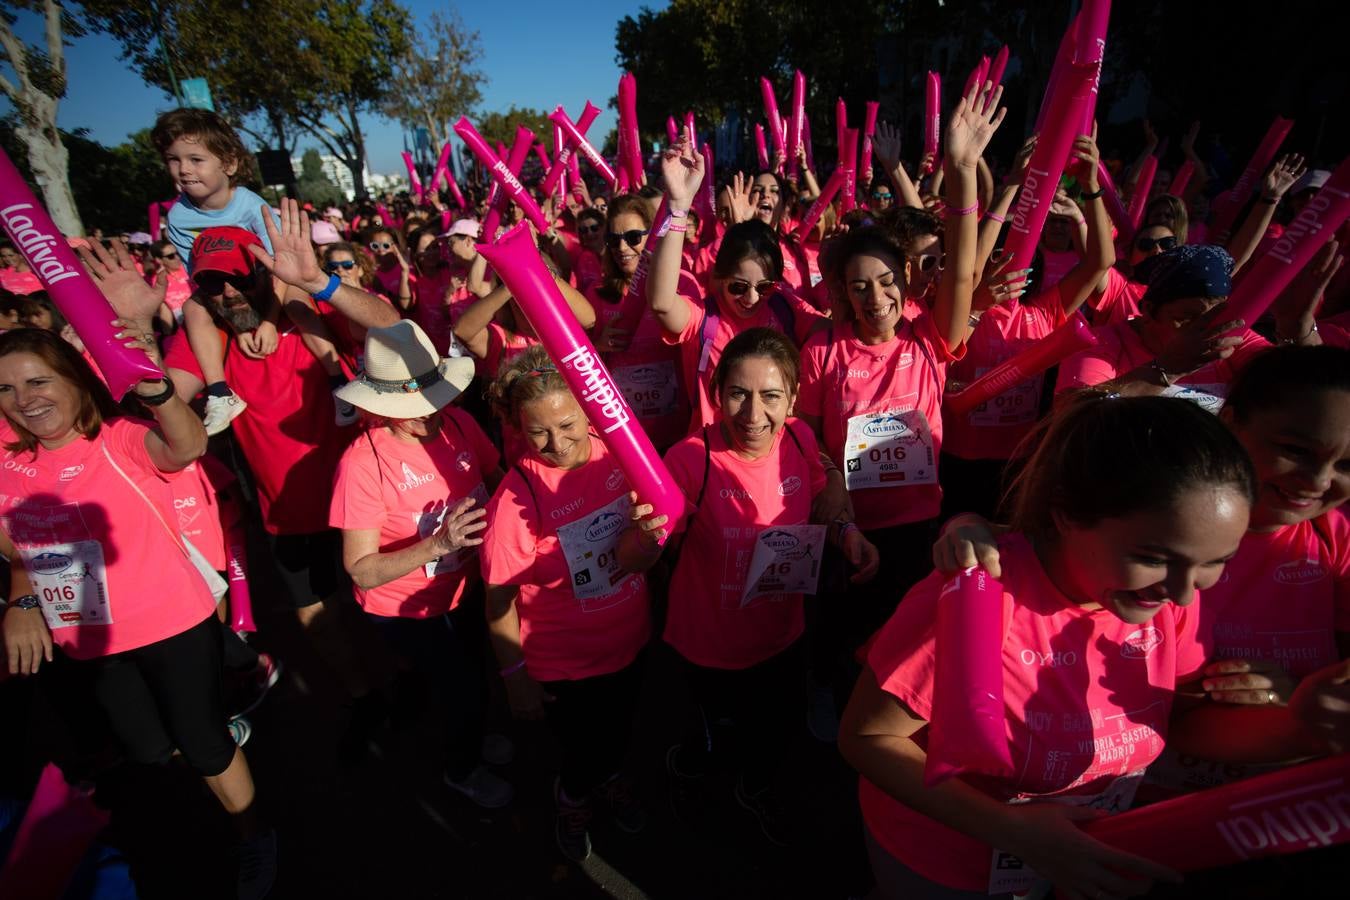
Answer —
(435, 79)
(314, 185)
(495, 126)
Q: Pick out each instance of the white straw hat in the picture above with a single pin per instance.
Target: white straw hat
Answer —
(404, 377)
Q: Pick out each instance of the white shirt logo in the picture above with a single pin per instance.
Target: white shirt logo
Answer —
(412, 480)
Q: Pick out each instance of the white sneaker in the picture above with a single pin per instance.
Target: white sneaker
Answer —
(221, 411)
(484, 788)
(498, 749)
(257, 866)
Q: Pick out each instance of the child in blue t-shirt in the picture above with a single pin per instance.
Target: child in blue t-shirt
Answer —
(206, 159)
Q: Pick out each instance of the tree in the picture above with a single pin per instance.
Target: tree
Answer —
(501, 127)
(435, 79)
(36, 91)
(314, 185)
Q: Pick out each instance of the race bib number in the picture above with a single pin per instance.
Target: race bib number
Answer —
(786, 560)
(71, 580)
(427, 524)
(650, 389)
(589, 545)
(886, 450)
(1018, 405)
(1208, 397)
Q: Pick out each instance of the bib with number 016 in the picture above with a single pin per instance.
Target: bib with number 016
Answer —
(1018, 405)
(650, 389)
(71, 580)
(786, 560)
(428, 522)
(886, 450)
(589, 544)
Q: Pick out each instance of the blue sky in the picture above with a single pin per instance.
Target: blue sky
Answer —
(535, 54)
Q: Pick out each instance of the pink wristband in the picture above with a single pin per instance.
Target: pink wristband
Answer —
(995, 217)
(964, 211)
(678, 229)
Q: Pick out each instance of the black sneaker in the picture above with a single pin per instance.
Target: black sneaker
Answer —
(687, 798)
(570, 827)
(768, 813)
(257, 866)
(620, 795)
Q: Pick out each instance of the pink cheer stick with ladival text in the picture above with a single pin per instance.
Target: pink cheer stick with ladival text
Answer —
(499, 171)
(236, 568)
(563, 151)
(1291, 810)
(817, 208)
(1227, 207)
(932, 118)
(578, 141)
(848, 198)
(968, 733)
(37, 240)
(520, 151)
(1066, 340)
(1314, 225)
(865, 151)
(515, 259)
(794, 131)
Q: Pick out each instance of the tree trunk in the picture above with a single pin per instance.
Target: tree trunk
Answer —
(358, 163)
(49, 160)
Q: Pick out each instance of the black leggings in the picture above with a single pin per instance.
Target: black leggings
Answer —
(162, 696)
(592, 718)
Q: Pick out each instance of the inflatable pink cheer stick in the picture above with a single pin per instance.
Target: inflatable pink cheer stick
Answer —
(932, 119)
(771, 113)
(499, 171)
(1063, 57)
(849, 197)
(689, 127)
(707, 203)
(563, 151)
(1120, 216)
(817, 208)
(840, 129)
(672, 132)
(156, 210)
(443, 172)
(1314, 225)
(1287, 811)
(1181, 179)
(977, 75)
(542, 155)
(794, 131)
(1226, 210)
(236, 567)
(761, 148)
(1142, 185)
(520, 151)
(806, 136)
(515, 258)
(996, 70)
(628, 127)
(56, 832)
(1066, 340)
(968, 733)
(73, 291)
(414, 182)
(869, 129)
(578, 141)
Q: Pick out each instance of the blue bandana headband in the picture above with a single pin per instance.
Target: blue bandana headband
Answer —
(1191, 270)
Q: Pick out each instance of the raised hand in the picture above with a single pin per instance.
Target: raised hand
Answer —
(1020, 162)
(116, 276)
(1085, 171)
(682, 169)
(1281, 177)
(742, 207)
(292, 258)
(886, 143)
(971, 125)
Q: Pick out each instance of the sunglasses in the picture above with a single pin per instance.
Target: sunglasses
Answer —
(928, 261)
(879, 195)
(344, 264)
(377, 246)
(588, 229)
(1146, 245)
(741, 288)
(170, 255)
(213, 283)
(631, 238)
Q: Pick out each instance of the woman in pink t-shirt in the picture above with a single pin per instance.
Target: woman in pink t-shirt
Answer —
(567, 603)
(101, 573)
(751, 481)
(1113, 535)
(587, 267)
(628, 334)
(409, 498)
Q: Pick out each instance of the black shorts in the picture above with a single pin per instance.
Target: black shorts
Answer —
(308, 564)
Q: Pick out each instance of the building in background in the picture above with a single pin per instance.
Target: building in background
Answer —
(337, 173)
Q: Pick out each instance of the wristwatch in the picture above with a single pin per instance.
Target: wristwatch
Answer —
(27, 601)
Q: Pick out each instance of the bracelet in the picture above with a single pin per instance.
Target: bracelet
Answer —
(994, 217)
(329, 290)
(512, 669)
(1298, 340)
(952, 211)
(162, 397)
(844, 528)
(678, 229)
(27, 601)
(1093, 195)
(677, 213)
(972, 320)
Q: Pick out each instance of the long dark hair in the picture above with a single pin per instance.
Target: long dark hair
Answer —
(96, 403)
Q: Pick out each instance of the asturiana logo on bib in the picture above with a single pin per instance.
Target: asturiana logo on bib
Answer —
(36, 246)
(51, 563)
(791, 485)
(603, 525)
(886, 426)
(412, 480)
(648, 375)
(1139, 644)
(1300, 571)
(780, 541)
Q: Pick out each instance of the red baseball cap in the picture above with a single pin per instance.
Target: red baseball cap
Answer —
(224, 249)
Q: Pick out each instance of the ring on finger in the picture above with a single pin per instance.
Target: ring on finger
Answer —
(1271, 696)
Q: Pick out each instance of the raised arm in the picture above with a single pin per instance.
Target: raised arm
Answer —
(887, 145)
(1287, 170)
(471, 327)
(1099, 253)
(996, 215)
(682, 169)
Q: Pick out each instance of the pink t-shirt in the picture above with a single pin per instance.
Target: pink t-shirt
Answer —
(1120, 350)
(110, 574)
(430, 310)
(178, 290)
(698, 370)
(19, 282)
(796, 269)
(1336, 330)
(880, 408)
(1118, 301)
(648, 372)
(996, 428)
(388, 281)
(287, 431)
(586, 269)
(716, 617)
(196, 499)
(1087, 699)
(404, 489)
(1056, 266)
(553, 532)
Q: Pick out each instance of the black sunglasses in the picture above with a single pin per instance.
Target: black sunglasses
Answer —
(631, 238)
(377, 246)
(588, 229)
(344, 264)
(1146, 245)
(172, 254)
(741, 288)
(213, 283)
